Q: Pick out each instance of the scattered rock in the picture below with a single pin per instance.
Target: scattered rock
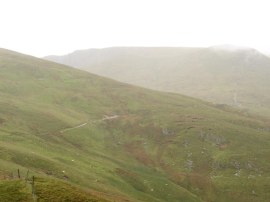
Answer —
(251, 176)
(166, 131)
(189, 164)
(237, 173)
(65, 177)
(254, 193)
(185, 143)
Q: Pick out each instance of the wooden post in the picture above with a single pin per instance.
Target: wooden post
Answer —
(33, 186)
(19, 176)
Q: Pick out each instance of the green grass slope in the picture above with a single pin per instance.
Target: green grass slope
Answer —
(44, 190)
(118, 142)
(224, 75)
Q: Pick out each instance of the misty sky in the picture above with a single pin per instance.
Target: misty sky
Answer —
(43, 27)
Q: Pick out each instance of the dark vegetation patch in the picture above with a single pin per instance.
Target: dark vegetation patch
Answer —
(131, 178)
(137, 151)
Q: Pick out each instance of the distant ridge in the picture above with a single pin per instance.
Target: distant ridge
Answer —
(225, 74)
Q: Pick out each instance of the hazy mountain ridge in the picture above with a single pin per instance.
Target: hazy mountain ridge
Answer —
(236, 76)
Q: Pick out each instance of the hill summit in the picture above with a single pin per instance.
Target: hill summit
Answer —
(236, 76)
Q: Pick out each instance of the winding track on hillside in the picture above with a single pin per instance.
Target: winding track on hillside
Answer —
(84, 124)
(78, 126)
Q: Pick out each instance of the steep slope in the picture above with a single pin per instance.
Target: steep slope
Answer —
(125, 143)
(223, 74)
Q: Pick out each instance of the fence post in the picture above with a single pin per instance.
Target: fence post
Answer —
(33, 189)
(19, 176)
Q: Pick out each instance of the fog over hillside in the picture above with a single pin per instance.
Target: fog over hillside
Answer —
(134, 101)
(225, 74)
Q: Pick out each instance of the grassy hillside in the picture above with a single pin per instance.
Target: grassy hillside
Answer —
(118, 142)
(44, 190)
(237, 77)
